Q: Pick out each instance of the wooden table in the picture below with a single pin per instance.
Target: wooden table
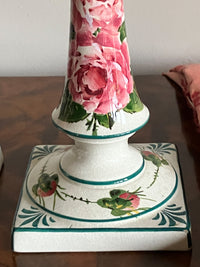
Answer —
(25, 120)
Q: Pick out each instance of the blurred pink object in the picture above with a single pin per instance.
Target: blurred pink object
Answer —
(188, 78)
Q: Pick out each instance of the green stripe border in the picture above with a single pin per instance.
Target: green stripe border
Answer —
(96, 230)
(113, 182)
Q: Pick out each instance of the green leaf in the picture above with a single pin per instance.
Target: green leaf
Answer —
(22, 216)
(134, 104)
(55, 178)
(89, 124)
(97, 32)
(44, 221)
(122, 30)
(154, 159)
(150, 157)
(75, 113)
(157, 162)
(118, 212)
(35, 188)
(164, 162)
(105, 120)
(31, 219)
(30, 211)
(172, 222)
(157, 217)
(116, 193)
(71, 111)
(121, 203)
(163, 220)
(52, 220)
(106, 203)
(36, 222)
(94, 129)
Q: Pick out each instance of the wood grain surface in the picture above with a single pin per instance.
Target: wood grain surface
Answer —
(25, 121)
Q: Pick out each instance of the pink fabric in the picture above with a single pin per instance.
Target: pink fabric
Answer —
(188, 78)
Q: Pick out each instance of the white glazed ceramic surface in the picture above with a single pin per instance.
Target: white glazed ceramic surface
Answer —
(56, 214)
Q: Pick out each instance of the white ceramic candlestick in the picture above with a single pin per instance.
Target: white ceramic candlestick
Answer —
(79, 197)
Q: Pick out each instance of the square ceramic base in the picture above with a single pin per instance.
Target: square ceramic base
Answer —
(157, 223)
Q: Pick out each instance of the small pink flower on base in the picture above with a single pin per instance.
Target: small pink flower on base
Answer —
(50, 192)
(134, 199)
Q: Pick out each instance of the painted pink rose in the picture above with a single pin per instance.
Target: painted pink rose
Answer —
(98, 13)
(101, 79)
(97, 21)
(134, 199)
(104, 37)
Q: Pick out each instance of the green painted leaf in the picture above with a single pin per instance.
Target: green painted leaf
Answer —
(178, 219)
(172, 222)
(32, 212)
(35, 188)
(156, 217)
(154, 159)
(52, 220)
(36, 222)
(173, 206)
(106, 202)
(33, 208)
(29, 220)
(22, 216)
(94, 129)
(71, 111)
(89, 124)
(164, 162)
(157, 162)
(105, 120)
(174, 211)
(150, 157)
(116, 193)
(163, 221)
(44, 220)
(118, 212)
(135, 104)
(97, 32)
(121, 203)
(122, 30)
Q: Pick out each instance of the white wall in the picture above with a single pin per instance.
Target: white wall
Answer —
(34, 35)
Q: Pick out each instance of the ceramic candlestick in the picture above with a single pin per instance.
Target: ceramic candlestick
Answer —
(76, 198)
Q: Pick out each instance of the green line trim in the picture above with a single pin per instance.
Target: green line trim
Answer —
(97, 230)
(101, 183)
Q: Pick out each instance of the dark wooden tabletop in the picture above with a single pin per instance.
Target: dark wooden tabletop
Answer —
(25, 121)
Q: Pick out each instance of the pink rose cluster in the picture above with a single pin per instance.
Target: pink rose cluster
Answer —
(99, 67)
